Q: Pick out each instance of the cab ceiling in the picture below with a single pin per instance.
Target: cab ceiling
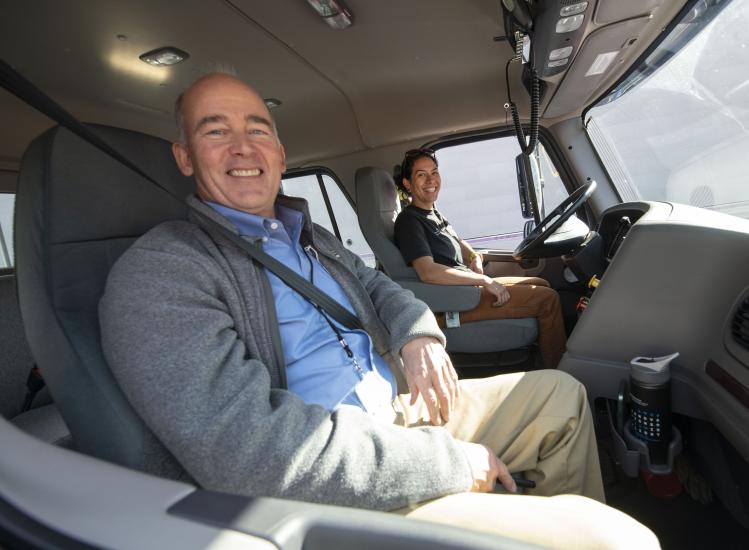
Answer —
(404, 70)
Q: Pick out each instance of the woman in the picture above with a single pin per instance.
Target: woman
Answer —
(430, 245)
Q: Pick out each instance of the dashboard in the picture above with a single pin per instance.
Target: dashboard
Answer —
(674, 278)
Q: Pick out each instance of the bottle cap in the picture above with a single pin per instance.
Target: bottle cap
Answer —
(652, 370)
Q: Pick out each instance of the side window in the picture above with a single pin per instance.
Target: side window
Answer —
(7, 201)
(479, 192)
(330, 207)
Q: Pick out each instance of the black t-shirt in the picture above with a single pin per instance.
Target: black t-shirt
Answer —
(420, 232)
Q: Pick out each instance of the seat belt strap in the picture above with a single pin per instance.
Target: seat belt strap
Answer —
(291, 278)
(26, 91)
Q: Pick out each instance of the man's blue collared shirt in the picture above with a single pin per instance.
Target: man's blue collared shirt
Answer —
(317, 367)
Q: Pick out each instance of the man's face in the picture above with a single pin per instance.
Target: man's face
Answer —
(231, 148)
(425, 183)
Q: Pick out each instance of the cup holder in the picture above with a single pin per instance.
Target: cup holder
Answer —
(633, 453)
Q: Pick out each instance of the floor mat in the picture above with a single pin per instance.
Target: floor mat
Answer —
(681, 522)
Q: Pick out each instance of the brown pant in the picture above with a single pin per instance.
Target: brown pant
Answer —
(529, 297)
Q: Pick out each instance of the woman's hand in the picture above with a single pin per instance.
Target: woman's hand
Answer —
(499, 290)
(477, 263)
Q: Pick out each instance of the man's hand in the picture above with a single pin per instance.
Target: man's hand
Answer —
(499, 290)
(486, 468)
(430, 373)
(477, 264)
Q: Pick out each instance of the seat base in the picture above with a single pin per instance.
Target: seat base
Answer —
(493, 335)
(45, 423)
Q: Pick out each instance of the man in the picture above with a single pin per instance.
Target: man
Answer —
(256, 391)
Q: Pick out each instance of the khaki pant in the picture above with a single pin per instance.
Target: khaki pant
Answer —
(529, 297)
(538, 423)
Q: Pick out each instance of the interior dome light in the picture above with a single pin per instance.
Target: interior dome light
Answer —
(164, 56)
(560, 53)
(334, 12)
(272, 102)
(573, 9)
(569, 24)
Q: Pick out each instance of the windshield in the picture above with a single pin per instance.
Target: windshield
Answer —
(676, 130)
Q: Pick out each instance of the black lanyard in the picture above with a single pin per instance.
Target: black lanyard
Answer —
(341, 340)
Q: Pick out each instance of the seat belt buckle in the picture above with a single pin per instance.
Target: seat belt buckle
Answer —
(34, 383)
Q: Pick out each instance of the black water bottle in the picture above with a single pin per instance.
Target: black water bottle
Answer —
(650, 400)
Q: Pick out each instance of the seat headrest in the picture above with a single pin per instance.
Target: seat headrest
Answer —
(89, 195)
(378, 206)
(376, 190)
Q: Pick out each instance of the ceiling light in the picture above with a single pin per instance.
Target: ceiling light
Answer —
(164, 56)
(272, 102)
(557, 63)
(573, 9)
(334, 12)
(569, 24)
(559, 53)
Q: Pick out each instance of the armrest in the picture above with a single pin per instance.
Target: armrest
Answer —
(292, 525)
(444, 297)
(492, 255)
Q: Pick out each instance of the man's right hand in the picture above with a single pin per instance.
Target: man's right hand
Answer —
(499, 290)
(486, 469)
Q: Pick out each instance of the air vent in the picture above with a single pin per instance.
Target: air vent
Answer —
(740, 324)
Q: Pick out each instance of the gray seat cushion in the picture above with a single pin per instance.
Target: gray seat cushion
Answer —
(45, 423)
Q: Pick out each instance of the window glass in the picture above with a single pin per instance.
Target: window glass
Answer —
(479, 192)
(552, 186)
(7, 201)
(348, 222)
(308, 187)
(677, 130)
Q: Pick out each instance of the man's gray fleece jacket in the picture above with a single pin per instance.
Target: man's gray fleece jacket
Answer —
(189, 329)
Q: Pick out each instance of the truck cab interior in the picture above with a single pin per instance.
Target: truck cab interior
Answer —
(596, 144)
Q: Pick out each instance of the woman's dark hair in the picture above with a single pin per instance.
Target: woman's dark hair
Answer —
(406, 167)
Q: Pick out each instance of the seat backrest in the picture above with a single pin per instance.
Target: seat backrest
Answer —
(378, 206)
(77, 211)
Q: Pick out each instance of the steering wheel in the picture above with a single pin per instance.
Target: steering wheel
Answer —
(536, 238)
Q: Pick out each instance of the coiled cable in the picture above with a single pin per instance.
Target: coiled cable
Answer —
(526, 148)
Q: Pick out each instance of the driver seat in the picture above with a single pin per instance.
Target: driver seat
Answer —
(376, 189)
(77, 211)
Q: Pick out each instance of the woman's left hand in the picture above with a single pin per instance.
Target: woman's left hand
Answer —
(477, 264)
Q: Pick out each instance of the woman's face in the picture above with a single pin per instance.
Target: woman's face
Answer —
(425, 183)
